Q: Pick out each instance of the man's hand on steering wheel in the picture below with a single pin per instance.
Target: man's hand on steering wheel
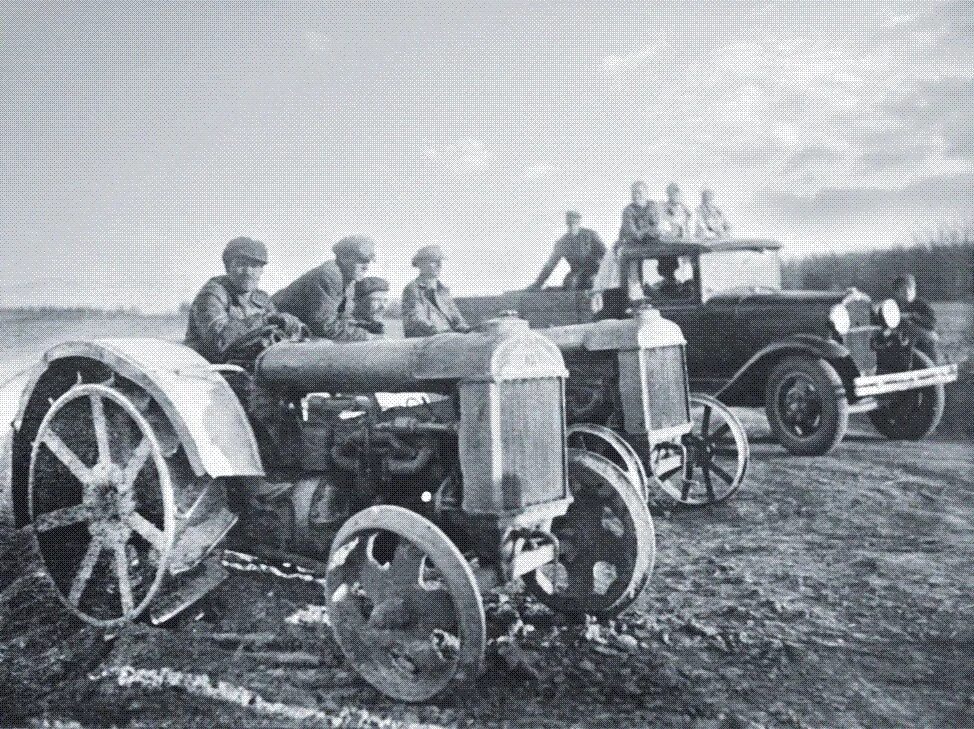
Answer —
(292, 327)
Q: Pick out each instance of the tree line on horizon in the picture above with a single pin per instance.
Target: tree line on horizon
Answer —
(942, 262)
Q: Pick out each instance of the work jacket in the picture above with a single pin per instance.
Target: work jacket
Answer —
(428, 309)
(324, 301)
(220, 315)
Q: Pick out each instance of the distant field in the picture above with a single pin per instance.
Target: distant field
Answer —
(25, 336)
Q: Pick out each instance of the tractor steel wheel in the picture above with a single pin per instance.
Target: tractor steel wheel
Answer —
(914, 414)
(717, 457)
(405, 606)
(101, 504)
(607, 443)
(607, 543)
(806, 405)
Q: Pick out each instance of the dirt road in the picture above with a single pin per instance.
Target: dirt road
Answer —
(833, 591)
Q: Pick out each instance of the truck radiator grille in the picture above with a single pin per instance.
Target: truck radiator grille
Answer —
(532, 431)
(860, 336)
(665, 374)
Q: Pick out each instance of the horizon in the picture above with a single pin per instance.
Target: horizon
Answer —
(137, 145)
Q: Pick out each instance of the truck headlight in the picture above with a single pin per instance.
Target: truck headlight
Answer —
(889, 314)
(839, 316)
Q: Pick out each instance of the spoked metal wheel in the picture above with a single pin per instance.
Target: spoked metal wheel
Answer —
(609, 444)
(716, 460)
(405, 606)
(607, 543)
(101, 502)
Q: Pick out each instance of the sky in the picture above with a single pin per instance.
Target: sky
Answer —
(136, 139)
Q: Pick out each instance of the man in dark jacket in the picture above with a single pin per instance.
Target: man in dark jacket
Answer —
(581, 248)
(324, 297)
(919, 319)
(230, 309)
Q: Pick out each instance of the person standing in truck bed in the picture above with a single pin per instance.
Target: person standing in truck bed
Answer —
(582, 248)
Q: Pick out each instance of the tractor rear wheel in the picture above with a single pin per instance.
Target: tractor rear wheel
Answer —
(100, 499)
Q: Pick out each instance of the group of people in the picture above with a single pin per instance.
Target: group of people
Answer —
(336, 300)
(643, 221)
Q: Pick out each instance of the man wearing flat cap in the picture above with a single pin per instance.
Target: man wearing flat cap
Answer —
(581, 248)
(676, 215)
(324, 297)
(427, 306)
(371, 300)
(230, 309)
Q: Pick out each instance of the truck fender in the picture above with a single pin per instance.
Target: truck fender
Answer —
(746, 387)
(204, 412)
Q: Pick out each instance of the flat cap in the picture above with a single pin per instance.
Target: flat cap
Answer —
(428, 253)
(370, 285)
(358, 246)
(573, 215)
(244, 247)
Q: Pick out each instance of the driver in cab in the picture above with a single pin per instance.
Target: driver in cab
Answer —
(669, 287)
(231, 309)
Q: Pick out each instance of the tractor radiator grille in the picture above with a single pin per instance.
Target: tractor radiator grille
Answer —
(532, 434)
(666, 384)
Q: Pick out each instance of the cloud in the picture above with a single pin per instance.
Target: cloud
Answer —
(637, 59)
(466, 154)
(539, 170)
(930, 197)
(317, 41)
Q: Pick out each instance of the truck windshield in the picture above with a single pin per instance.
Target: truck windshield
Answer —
(727, 271)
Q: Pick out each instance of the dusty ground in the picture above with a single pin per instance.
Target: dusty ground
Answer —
(832, 591)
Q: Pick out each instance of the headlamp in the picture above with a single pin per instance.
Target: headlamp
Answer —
(839, 316)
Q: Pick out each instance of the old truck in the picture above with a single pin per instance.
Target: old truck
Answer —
(134, 463)
(811, 358)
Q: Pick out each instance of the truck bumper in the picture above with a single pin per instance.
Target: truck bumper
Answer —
(871, 385)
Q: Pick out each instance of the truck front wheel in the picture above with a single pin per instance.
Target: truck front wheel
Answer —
(806, 405)
(914, 414)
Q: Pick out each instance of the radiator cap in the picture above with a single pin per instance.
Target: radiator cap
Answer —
(507, 322)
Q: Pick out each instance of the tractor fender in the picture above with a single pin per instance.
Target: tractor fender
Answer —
(205, 413)
(746, 387)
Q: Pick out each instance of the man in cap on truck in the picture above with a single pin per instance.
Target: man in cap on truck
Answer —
(371, 300)
(324, 297)
(230, 310)
(427, 306)
(581, 248)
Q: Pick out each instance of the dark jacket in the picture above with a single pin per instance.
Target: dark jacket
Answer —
(323, 300)
(583, 252)
(919, 313)
(429, 309)
(220, 315)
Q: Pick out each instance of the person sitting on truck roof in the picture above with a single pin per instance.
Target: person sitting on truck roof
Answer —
(230, 309)
(427, 305)
(371, 300)
(919, 320)
(582, 248)
(641, 218)
(676, 215)
(323, 298)
(711, 222)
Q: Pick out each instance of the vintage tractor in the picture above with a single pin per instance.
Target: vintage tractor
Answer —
(628, 400)
(135, 462)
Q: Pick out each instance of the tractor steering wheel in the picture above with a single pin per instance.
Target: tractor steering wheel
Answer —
(251, 344)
